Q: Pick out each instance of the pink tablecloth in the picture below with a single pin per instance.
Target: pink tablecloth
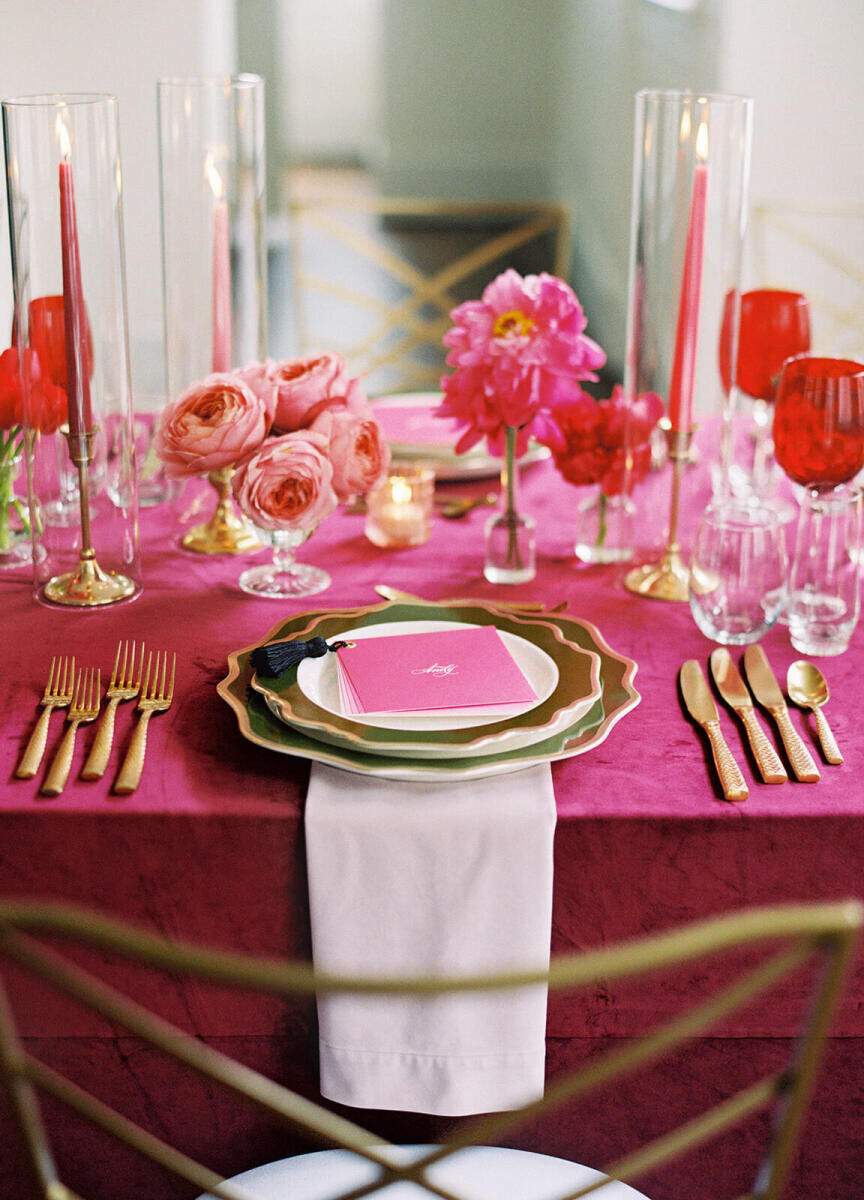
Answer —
(210, 846)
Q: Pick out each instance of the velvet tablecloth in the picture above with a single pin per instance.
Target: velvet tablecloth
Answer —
(210, 846)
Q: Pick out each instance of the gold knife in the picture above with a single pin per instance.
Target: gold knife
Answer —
(732, 688)
(702, 708)
(765, 688)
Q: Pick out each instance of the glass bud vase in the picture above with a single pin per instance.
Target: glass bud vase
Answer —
(510, 539)
(604, 527)
(283, 576)
(14, 522)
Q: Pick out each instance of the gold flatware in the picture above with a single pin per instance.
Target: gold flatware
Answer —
(807, 688)
(57, 694)
(157, 692)
(124, 685)
(703, 710)
(732, 688)
(515, 606)
(765, 688)
(455, 507)
(84, 707)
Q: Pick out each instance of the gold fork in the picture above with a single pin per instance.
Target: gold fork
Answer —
(84, 707)
(155, 698)
(57, 694)
(125, 685)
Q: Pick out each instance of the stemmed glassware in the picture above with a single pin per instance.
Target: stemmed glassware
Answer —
(773, 325)
(819, 443)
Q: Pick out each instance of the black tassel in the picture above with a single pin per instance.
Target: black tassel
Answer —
(279, 656)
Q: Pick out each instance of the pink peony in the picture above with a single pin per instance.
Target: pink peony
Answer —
(213, 424)
(306, 386)
(515, 352)
(357, 451)
(287, 483)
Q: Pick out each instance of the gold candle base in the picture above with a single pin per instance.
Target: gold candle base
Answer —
(89, 586)
(668, 579)
(225, 532)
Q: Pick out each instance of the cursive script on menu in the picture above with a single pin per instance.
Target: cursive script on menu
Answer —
(436, 669)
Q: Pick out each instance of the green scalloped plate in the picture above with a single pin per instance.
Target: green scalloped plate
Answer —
(259, 725)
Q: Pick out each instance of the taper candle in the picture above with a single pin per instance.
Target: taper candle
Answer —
(74, 322)
(687, 329)
(221, 273)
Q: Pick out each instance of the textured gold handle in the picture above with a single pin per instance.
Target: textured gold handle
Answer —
(59, 773)
(133, 764)
(97, 760)
(799, 756)
(770, 766)
(32, 756)
(826, 738)
(731, 779)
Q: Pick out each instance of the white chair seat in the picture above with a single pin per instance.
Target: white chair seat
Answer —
(476, 1173)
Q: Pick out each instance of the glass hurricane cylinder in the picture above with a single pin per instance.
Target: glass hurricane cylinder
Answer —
(212, 171)
(66, 232)
(690, 178)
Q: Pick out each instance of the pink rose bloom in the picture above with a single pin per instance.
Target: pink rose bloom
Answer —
(304, 386)
(514, 351)
(213, 424)
(287, 483)
(358, 454)
(260, 378)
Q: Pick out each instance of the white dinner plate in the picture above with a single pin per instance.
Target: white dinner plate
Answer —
(565, 676)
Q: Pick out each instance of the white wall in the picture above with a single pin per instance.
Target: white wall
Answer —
(122, 47)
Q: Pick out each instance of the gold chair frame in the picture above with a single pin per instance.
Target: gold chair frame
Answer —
(434, 291)
(795, 934)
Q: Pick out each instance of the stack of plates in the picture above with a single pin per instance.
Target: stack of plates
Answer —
(414, 434)
(583, 689)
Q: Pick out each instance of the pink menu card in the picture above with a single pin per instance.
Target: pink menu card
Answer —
(427, 672)
(416, 425)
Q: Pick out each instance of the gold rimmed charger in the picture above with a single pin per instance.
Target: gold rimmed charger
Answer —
(259, 726)
(575, 685)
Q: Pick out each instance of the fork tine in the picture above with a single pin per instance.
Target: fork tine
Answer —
(170, 695)
(51, 675)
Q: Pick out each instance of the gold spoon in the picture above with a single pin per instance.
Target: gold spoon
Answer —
(806, 686)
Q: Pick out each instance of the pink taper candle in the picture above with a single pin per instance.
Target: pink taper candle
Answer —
(687, 331)
(221, 275)
(74, 319)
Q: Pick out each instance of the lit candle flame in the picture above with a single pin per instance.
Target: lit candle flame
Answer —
(400, 490)
(63, 138)
(702, 142)
(213, 177)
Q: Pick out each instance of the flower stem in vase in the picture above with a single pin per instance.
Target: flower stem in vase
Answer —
(604, 527)
(226, 532)
(284, 576)
(510, 542)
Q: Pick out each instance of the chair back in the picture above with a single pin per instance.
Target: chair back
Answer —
(376, 278)
(767, 946)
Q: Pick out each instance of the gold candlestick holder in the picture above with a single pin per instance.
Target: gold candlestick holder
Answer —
(88, 586)
(225, 532)
(668, 579)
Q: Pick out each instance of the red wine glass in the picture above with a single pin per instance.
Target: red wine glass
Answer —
(819, 443)
(773, 325)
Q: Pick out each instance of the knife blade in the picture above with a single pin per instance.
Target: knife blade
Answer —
(732, 688)
(702, 709)
(765, 688)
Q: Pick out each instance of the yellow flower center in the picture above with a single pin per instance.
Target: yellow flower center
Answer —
(512, 324)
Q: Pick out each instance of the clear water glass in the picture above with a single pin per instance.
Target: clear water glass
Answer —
(738, 572)
(825, 598)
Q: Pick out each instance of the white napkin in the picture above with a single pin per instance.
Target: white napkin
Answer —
(431, 878)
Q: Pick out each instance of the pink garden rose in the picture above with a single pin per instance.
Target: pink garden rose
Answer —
(287, 483)
(305, 387)
(357, 451)
(213, 424)
(515, 352)
(259, 377)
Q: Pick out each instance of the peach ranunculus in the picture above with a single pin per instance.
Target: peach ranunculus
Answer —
(357, 451)
(287, 483)
(305, 387)
(213, 424)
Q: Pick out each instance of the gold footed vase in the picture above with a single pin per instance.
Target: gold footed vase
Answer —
(226, 532)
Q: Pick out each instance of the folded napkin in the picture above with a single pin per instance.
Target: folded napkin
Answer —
(431, 878)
